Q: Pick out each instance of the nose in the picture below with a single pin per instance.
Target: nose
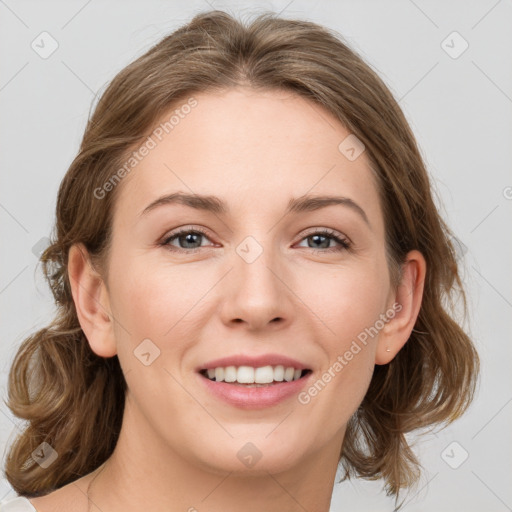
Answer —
(256, 294)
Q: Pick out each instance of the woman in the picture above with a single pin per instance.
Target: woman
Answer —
(251, 277)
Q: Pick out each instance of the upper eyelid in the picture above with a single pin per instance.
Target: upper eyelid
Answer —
(185, 230)
(329, 232)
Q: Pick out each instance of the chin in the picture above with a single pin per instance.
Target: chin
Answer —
(246, 457)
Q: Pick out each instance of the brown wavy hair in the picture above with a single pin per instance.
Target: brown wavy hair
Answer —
(74, 399)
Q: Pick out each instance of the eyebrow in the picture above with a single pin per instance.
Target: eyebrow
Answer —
(216, 205)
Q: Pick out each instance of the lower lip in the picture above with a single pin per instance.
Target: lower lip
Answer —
(254, 398)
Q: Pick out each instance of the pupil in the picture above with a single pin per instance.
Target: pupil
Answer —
(189, 238)
(316, 237)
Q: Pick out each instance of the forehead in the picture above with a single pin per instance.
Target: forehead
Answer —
(248, 146)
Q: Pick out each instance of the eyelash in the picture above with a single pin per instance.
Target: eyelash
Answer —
(344, 244)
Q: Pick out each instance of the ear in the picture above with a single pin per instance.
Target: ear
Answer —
(403, 308)
(91, 299)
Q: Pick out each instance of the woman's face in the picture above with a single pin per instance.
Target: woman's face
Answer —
(255, 277)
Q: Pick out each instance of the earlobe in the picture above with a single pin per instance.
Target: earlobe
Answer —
(406, 307)
(91, 300)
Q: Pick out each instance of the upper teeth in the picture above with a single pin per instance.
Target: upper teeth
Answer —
(249, 375)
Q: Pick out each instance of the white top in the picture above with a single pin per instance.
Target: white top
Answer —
(18, 504)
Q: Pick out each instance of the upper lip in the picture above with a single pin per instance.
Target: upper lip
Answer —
(254, 361)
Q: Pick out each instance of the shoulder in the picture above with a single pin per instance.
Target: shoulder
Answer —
(71, 497)
(18, 504)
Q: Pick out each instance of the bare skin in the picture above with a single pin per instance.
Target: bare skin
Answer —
(178, 446)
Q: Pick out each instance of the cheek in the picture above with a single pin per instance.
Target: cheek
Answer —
(150, 282)
(350, 308)
(152, 301)
(348, 301)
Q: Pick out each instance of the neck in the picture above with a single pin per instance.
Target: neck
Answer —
(143, 473)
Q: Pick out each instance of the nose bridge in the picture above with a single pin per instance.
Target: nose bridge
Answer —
(257, 294)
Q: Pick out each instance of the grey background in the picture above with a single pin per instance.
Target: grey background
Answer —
(459, 108)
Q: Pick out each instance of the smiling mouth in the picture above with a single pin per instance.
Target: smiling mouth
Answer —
(246, 376)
